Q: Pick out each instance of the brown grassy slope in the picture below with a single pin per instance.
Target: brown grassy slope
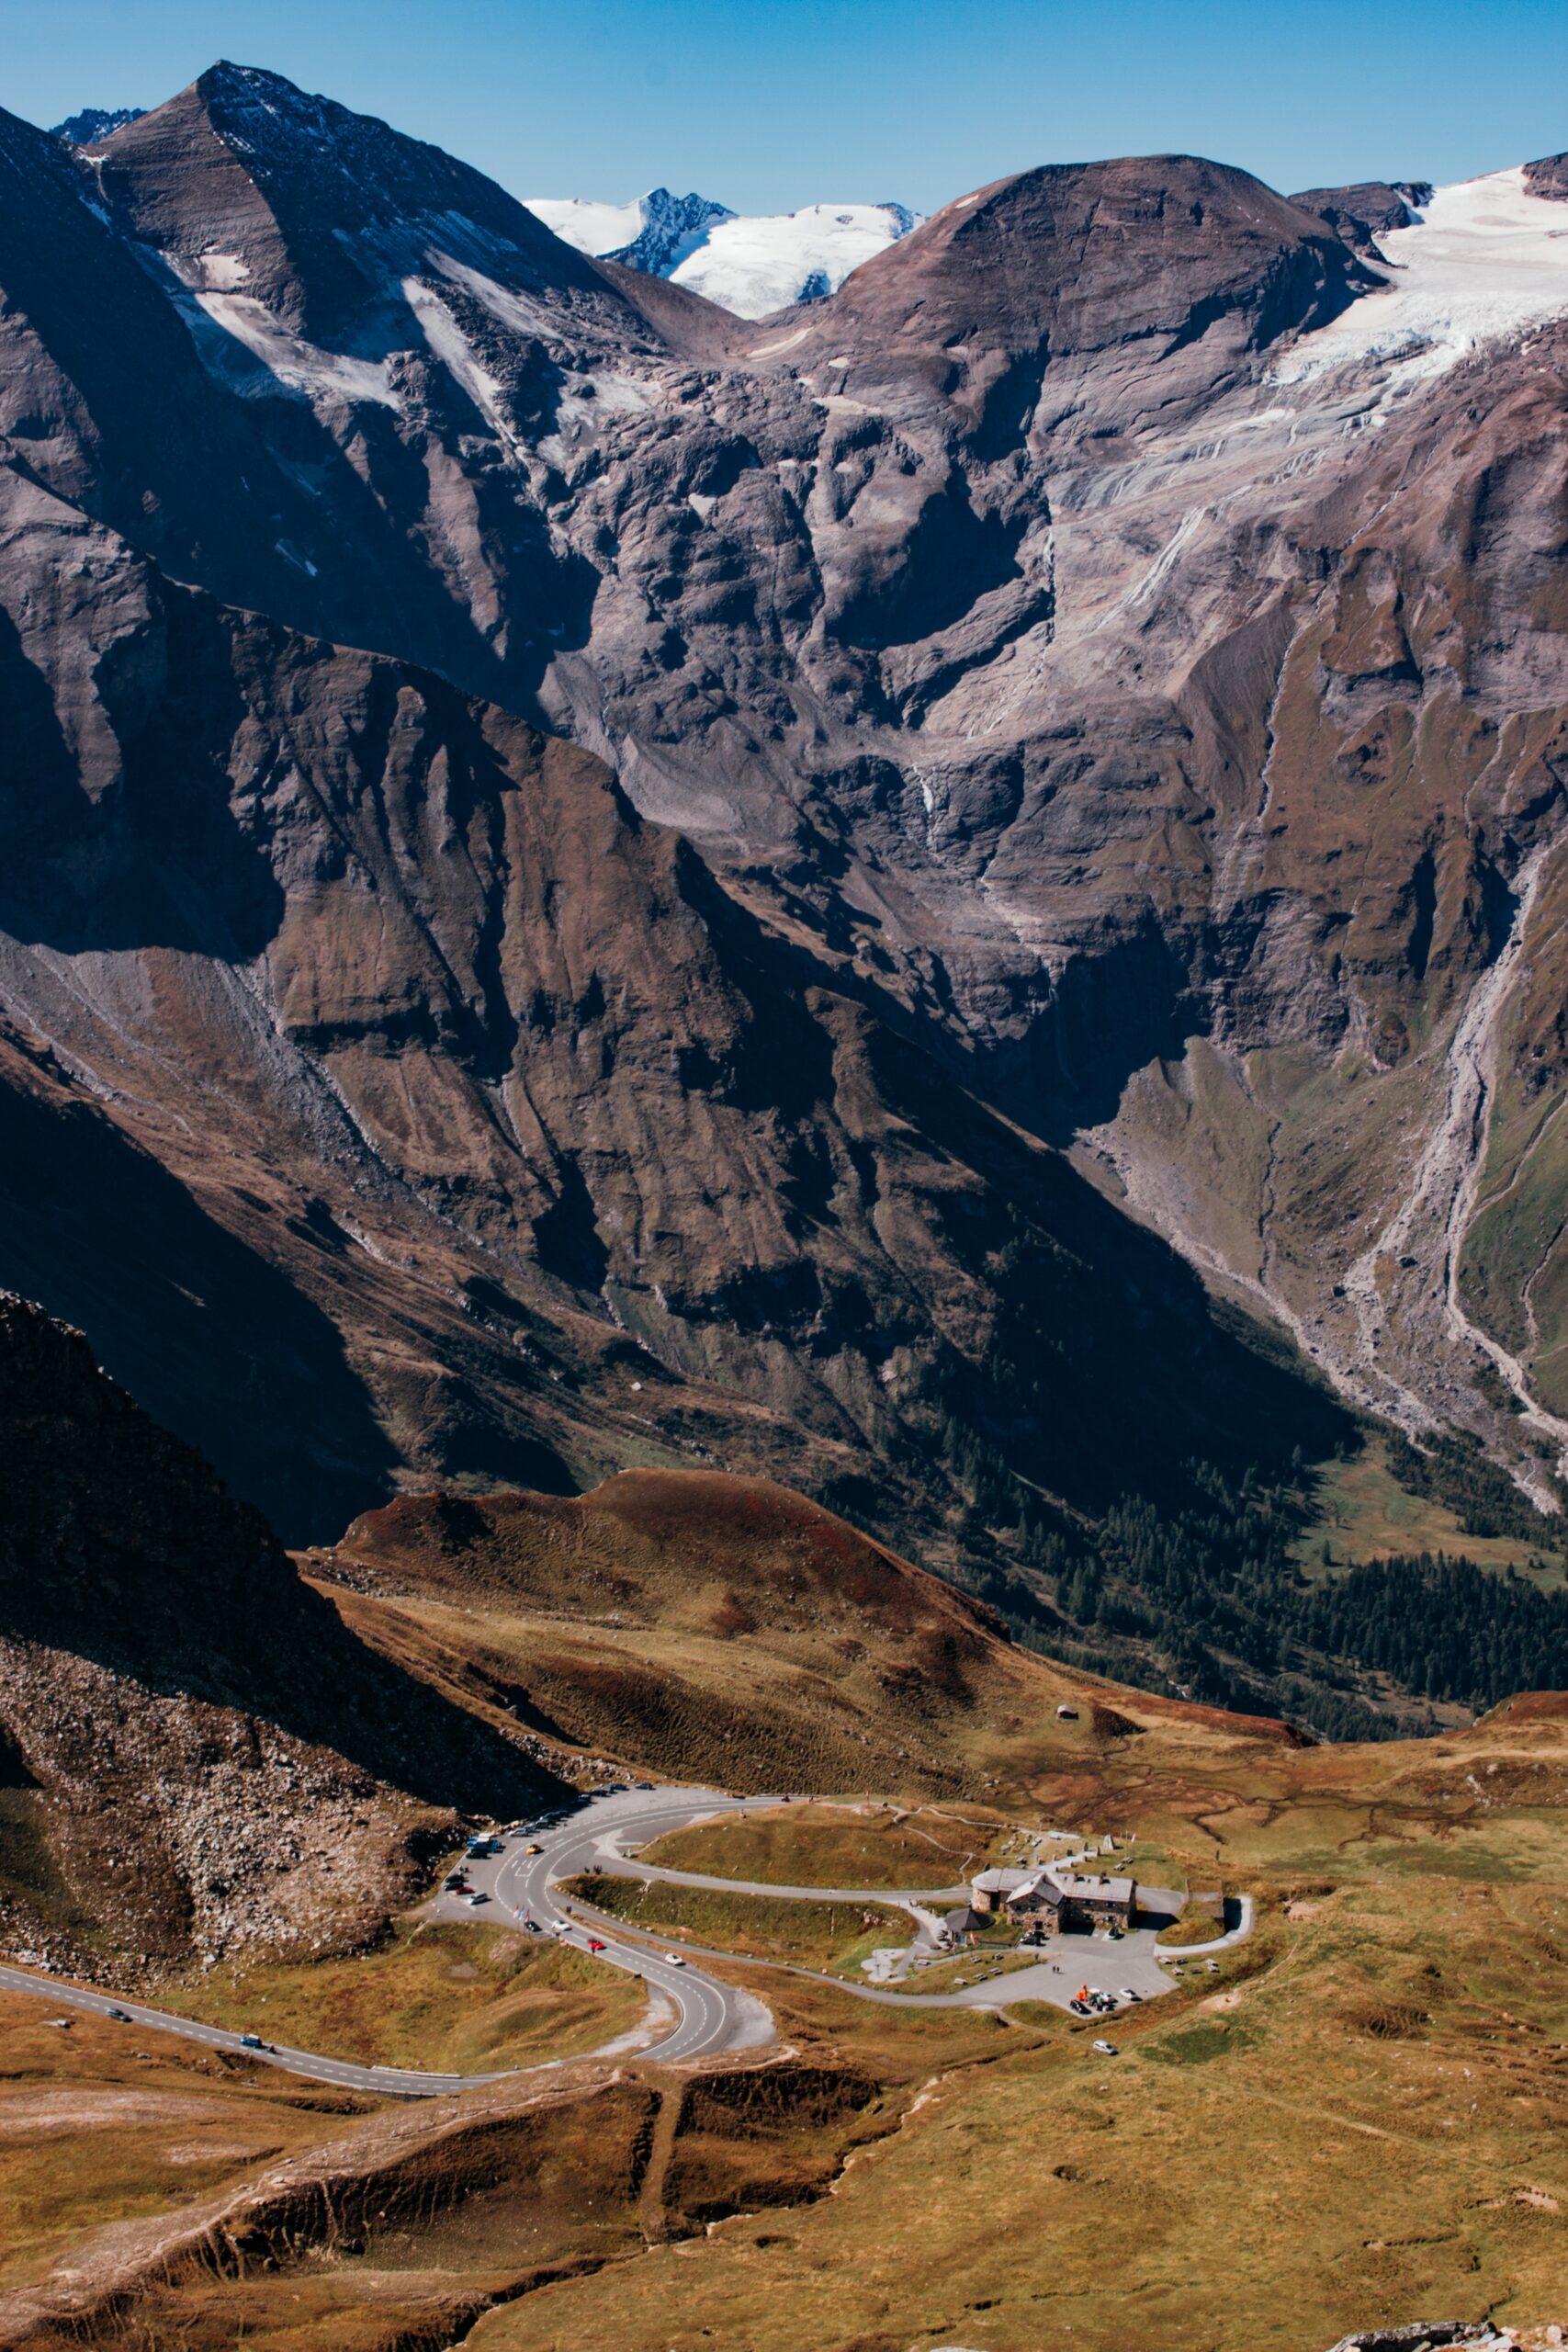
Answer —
(101, 2124)
(696, 1623)
(437, 1994)
(1370, 2129)
(399, 2229)
(1362, 2117)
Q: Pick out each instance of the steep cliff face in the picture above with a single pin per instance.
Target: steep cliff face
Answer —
(1359, 215)
(431, 977)
(1113, 688)
(194, 1757)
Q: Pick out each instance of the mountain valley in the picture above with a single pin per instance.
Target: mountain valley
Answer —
(782, 1042)
(1408, 1900)
(1191, 876)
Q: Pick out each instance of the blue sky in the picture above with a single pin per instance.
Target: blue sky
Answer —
(767, 107)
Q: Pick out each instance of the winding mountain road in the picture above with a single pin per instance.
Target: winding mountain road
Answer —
(710, 2016)
(388, 2082)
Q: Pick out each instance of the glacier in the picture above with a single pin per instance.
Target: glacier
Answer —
(751, 265)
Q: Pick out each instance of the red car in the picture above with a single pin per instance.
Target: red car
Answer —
(595, 1944)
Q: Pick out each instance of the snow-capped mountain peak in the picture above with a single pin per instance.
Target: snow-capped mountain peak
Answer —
(654, 233)
(750, 265)
(1480, 260)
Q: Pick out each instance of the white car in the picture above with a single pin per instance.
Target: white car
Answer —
(1127, 1994)
(475, 1899)
(1106, 2049)
(676, 1959)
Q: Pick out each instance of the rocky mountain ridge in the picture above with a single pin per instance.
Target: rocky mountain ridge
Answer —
(90, 124)
(1109, 688)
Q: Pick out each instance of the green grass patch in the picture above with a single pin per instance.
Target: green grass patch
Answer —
(973, 1968)
(440, 1995)
(756, 1927)
(824, 1845)
(1362, 1512)
(1197, 2045)
(1041, 2015)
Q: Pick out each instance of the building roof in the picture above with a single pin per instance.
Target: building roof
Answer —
(1052, 1885)
(1101, 1890)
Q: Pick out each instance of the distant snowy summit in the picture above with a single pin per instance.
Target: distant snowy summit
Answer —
(750, 266)
(85, 129)
(655, 232)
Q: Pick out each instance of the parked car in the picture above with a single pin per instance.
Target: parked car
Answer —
(1106, 2049)
(1080, 2009)
(478, 1897)
(1128, 1995)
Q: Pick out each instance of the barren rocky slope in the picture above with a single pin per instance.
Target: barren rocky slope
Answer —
(510, 1142)
(1114, 687)
(196, 1759)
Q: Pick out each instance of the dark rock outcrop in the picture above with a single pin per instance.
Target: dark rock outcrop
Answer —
(668, 221)
(1548, 177)
(1359, 215)
(93, 124)
(200, 1757)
